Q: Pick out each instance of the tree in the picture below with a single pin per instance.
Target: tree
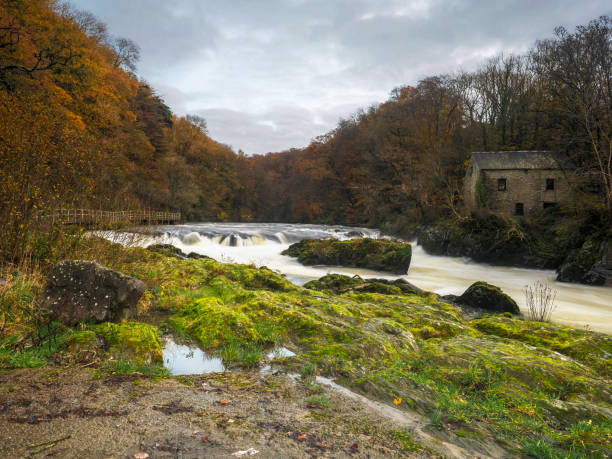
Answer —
(577, 69)
(127, 54)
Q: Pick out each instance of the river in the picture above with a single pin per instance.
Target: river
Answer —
(261, 244)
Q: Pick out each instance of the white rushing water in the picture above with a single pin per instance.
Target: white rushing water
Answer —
(261, 244)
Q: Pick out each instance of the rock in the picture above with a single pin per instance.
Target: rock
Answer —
(83, 290)
(339, 283)
(434, 240)
(334, 283)
(197, 256)
(377, 254)
(586, 265)
(402, 284)
(486, 296)
(168, 250)
(171, 251)
(355, 234)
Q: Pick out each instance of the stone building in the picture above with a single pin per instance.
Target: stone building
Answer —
(516, 183)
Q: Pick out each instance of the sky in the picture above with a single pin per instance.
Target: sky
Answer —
(269, 75)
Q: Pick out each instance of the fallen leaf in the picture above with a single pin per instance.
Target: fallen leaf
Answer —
(141, 455)
(302, 437)
(224, 402)
(230, 420)
(205, 440)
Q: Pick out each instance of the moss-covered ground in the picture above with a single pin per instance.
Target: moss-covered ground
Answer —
(534, 388)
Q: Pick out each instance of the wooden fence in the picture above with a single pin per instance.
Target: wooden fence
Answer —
(91, 217)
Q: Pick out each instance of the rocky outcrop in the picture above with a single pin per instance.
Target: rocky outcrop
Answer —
(488, 297)
(591, 264)
(339, 283)
(78, 291)
(169, 250)
(377, 254)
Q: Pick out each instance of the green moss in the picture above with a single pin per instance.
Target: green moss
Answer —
(135, 341)
(591, 348)
(497, 377)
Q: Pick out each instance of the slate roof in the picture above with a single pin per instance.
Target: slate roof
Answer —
(521, 160)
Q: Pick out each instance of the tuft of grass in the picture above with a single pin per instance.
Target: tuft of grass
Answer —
(308, 373)
(436, 418)
(319, 401)
(242, 355)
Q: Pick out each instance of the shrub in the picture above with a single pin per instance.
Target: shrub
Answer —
(540, 301)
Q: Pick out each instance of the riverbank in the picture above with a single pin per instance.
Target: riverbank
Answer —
(484, 385)
(578, 248)
(73, 413)
(262, 245)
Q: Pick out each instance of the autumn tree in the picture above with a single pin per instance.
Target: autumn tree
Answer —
(577, 71)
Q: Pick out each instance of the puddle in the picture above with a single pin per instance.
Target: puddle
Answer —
(181, 359)
(280, 353)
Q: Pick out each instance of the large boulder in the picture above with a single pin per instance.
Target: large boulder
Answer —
(586, 265)
(376, 254)
(78, 291)
(489, 297)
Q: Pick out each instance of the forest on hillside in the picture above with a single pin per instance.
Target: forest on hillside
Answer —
(78, 128)
(405, 159)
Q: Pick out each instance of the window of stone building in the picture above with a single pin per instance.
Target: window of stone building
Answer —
(519, 209)
(550, 184)
(548, 205)
(501, 184)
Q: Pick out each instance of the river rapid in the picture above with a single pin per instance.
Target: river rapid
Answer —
(261, 244)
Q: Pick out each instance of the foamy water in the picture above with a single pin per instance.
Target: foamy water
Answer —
(262, 244)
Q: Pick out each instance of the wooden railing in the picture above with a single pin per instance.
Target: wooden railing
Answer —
(92, 217)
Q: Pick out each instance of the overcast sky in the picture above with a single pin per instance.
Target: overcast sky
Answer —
(269, 75)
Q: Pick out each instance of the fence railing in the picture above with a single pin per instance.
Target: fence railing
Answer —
(92, 217)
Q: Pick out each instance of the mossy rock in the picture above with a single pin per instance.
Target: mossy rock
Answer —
(509, 380)
(489, 297)
(339, 283)
(334, 283)
(167, 250)
(376, 254)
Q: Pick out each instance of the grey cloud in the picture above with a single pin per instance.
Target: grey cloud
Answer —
(270, 75)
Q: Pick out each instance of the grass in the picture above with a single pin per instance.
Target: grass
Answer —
(235, 354)
(319, 401)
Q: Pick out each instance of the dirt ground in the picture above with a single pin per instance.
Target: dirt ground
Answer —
(72, 413)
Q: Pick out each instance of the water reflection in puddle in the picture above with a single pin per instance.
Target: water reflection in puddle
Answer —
(181, 359)
(280, 353)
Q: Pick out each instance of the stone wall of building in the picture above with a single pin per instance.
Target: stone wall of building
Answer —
(472, 176)
(526, 186)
